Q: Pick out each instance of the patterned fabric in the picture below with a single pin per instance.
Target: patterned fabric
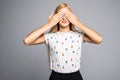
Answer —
(65, 50)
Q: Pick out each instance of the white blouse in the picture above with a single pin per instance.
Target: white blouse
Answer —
(65, 50)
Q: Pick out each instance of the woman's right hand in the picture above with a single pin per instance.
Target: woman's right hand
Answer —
(54, 19)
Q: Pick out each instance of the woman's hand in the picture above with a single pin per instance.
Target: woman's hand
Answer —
(54, 19)
(72, 18)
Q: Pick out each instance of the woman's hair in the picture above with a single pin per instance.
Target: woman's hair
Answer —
(56, 27)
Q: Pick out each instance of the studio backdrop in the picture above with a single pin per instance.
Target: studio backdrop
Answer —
(21, 62)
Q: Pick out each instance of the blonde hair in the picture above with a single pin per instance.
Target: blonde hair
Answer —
(56, 27)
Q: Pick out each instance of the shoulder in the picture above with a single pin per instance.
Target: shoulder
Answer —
(49, 37)
(77, 32)
(50, 34)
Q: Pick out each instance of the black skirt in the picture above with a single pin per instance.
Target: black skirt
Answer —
(66, 76)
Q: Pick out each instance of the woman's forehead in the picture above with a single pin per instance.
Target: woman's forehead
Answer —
(65, 9)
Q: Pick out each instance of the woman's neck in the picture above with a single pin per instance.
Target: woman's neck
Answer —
(64, 29)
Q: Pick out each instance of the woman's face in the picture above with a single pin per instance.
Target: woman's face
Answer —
(64, 22)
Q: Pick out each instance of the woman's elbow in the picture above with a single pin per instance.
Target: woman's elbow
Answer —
(99, 41)
(26, 42)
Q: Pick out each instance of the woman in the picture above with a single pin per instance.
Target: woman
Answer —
(64, 42)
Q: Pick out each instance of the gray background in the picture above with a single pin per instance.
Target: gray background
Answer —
(20, 17)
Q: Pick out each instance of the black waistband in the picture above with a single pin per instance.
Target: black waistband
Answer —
(65, 73)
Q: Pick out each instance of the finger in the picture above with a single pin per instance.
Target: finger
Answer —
(68, 16)
(59, 16)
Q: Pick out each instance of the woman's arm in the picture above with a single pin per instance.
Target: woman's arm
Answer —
(90, 35)
(37, 36)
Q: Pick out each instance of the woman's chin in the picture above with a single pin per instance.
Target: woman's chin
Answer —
(65, 25)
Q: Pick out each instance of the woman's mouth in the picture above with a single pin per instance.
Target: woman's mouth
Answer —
(64, 21)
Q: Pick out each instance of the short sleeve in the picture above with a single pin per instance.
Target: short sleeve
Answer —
(81, 34)
(47, 37)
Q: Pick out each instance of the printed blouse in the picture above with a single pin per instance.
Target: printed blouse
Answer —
(65, 50)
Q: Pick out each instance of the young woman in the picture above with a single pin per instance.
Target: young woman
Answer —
(64, 42)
